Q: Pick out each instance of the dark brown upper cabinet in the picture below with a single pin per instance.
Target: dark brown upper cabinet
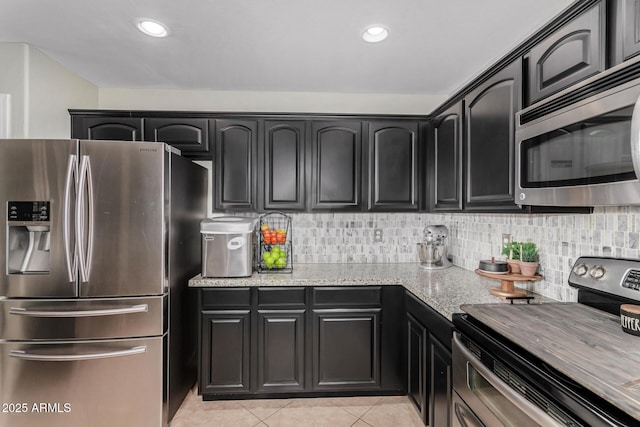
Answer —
(393, 166)
(107, 128)
(234, 164)
(625, 29)
(190, 136)
(284, 165)
(490, 147)
(446, 152)
(574, 52)
(336, 165)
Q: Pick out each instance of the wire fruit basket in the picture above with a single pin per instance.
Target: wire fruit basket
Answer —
(274, 254)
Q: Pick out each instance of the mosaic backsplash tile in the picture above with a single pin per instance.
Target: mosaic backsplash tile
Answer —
(561, 238)
(349, 237)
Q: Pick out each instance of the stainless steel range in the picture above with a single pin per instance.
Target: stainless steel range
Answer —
(97, 242)
(556, 364)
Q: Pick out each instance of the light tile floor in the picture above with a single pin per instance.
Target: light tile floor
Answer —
(374, 411)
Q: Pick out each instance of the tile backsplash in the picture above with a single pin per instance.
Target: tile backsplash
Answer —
(561, 238)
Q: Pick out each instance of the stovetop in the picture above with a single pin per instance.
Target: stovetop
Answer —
(584, 344)
(606, 282)
(583, 341)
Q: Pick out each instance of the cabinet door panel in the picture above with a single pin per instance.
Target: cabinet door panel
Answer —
(284, 163)
(631, 29)
(346, 349)
(337, 165)
(112, 128)
(236, 142)
(225, 352)
(490, 146)
(394, 165)
(281, 350)
(188, 135)
(447, 153)
(440, 384)
(417, 365)
(625, 30)
(574, 52)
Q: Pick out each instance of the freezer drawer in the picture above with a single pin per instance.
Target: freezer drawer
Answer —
(70, 319)
(78, 384)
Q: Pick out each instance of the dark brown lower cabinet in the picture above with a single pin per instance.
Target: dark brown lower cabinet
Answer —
(417, 337)
(440, 393)
(262, 342)
(225, 356)
(346, 349)
(281, 355)
(429, 362)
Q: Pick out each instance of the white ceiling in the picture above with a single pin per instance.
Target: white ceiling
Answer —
(434, 47)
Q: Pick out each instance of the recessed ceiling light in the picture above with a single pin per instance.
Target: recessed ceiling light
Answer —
(152, 28)
(375, 34)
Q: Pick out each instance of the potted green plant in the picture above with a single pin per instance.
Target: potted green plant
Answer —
(529, 259)
(512, 251)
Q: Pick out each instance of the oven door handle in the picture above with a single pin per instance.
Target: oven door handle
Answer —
(635, 138)
(536, 414)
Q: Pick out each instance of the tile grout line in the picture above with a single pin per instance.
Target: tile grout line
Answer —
(264, 420)
(367, 411)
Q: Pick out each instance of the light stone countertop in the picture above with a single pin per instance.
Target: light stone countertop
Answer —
(443, 290)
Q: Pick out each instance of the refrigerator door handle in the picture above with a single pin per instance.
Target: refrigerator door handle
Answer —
(85, 186)
(20, 354)
(141, 308)
(70, 255)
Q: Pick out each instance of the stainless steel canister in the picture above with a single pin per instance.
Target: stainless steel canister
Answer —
(227, 246)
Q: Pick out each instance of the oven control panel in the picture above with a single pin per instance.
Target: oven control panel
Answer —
(616, 276)
(632, 281)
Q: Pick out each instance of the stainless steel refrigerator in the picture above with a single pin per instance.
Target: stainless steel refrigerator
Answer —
(97, 242)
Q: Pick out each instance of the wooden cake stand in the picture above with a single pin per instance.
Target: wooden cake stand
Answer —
(506, 288)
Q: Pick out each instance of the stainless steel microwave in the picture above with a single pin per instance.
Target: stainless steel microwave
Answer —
(580, 147)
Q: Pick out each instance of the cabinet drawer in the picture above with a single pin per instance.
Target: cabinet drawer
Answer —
(225, 298)
(355, 296)
(281, 297)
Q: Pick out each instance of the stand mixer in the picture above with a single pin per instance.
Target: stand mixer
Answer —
(433, 252)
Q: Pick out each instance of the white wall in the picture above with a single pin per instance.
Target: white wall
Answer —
(41, 92)
(53, 89)
(287, 102)
(13, 81)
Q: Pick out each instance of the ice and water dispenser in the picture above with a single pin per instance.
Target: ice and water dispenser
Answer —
(29, 237)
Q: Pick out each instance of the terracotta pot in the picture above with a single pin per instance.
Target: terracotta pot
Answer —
(529, 268)
(514, 265)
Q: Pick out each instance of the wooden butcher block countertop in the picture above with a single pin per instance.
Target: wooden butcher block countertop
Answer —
(585, 344)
